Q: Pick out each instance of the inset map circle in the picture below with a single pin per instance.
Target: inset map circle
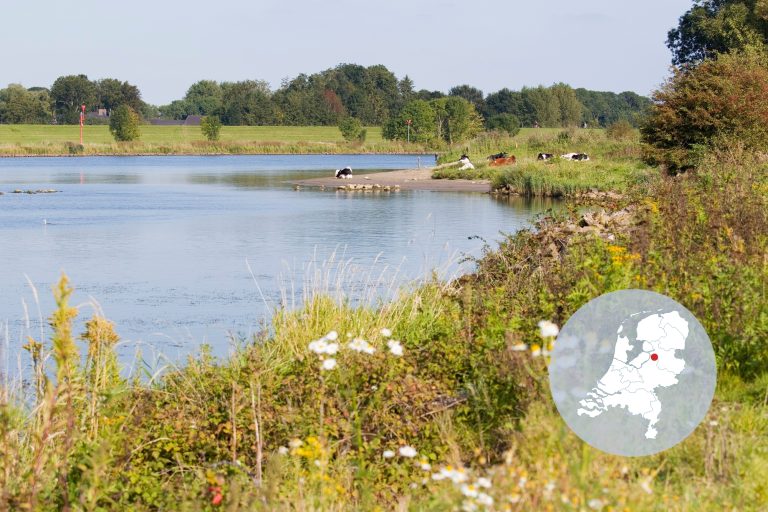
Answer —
(633, 372)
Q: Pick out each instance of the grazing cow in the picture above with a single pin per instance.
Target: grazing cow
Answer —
(580, 157)
(465, 163)
(545, 156)
(345, 173)
(504, 161)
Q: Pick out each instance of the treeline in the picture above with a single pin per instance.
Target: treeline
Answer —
(373, 95)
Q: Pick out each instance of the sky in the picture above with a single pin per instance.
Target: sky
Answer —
(163, 46)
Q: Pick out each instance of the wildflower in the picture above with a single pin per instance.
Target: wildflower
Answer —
(468, 506)
(713, 423)
(470, 491)
(457, 476)
(548, 329)
(282, 450)
(318, 346)
(218, 497)
(520, 347)
(535, 350)
(395, 347)
(484, 483)
(408, 451)
(329, 364)
(360, 345)
(484, 499)
(295, 443)
(332, 336)
(388, 454)
(595, 504)
(645, 484)
(424, 465)
(386, 332)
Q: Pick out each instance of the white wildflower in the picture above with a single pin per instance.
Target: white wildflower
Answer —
(519, 347)
(484, 483)
(425, 466)
(457, 476)
(408, 451)
(318, 346)
(329, 364)
(282, 450)
(595, 504)
(331, 348)
(713, 423)
(470, 491)
(536, 352)
(548, 329)
(360, 345)
(388, 454)
(386, 332)
(414, 485)
(395, 347)
(484, 499)
(332, 336)
(295, 443)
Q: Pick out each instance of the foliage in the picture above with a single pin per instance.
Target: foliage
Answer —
(621, 130)
(124, 124)
(722, 98)
(68, 93)
(23, 106)
(247, 103)
(718, 26)
(450, 119)
(508, 123)
(422, 119)
(352, 129)
(606, 108)
(112, 93)
(210, 126)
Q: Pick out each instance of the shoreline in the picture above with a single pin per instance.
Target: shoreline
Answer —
(406, 179)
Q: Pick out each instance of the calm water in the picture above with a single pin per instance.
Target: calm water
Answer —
(164, 244)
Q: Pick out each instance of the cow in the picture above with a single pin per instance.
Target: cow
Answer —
(544, 156)
(497, 156)
(465, 163)
(504, 161)
(345, 173)
(575, 156)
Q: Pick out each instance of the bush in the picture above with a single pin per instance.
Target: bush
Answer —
(124, 124)
(505, 122)
(620, 130)
(704, 105)
(352, 129)
(211, 127)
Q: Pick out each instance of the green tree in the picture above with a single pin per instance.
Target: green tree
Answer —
(68, 93)
(247, 103)
(22, 106)
(124, 124)
(541, 106)
(721, 98)
(351, 129)
(112, 93)
(456, 119)
(472, 95)
(203, 98)
(508, 123)
(568, 105)
(211, 127)
(422, 123)
(718, 26)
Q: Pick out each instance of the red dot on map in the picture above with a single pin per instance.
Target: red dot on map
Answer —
(654, 357)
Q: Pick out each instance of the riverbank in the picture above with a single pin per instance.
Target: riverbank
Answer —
(408, 179)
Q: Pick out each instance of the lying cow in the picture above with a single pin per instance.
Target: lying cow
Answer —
(345, 173)
(497, 156)
(503, 161)
(465, 163)
(545, 156)
(575, 156)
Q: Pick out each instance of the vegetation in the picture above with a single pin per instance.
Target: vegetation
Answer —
(352, 129)
(124, 124)
(211, 127)
(443, 120)
(700, 107)
(508, 123)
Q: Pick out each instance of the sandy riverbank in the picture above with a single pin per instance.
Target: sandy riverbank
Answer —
(409, 179)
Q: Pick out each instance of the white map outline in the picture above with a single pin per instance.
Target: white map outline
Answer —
(631, 384)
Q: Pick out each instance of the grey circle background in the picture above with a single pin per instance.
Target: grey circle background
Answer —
(584, 351)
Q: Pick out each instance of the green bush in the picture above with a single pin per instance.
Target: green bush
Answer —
(621, 130)
(124, 124)
(352, 129)
(211, 127)
(505, 122)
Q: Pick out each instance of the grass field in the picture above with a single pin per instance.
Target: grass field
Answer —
(99, 134)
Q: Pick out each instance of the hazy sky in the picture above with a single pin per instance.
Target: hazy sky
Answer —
(163, 46)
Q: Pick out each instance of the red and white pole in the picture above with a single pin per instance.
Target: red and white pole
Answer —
(82, 121)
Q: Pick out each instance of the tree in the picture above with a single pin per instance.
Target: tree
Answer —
(22, 106)
(211, 127)
(422, 123)
(725, 98)
(508, 123)
(124, 124)
(456, 119)
(112, 93)
(568, 104)
(717, 26)
(68, 93)
(471, 94)
(352, 129)
(247, 103)
(203, 98)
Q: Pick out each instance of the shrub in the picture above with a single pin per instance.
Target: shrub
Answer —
(620, 130)
(505, 122)
(124, 124)
(704, 105)
(352, 129)
(211, 127)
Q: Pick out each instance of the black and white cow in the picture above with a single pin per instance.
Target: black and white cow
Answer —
(465, 163)
(545, 156)
(345, 173)
(580, 157)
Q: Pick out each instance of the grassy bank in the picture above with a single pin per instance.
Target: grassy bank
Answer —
(280, 427)
(613, 166)
(47, 140)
